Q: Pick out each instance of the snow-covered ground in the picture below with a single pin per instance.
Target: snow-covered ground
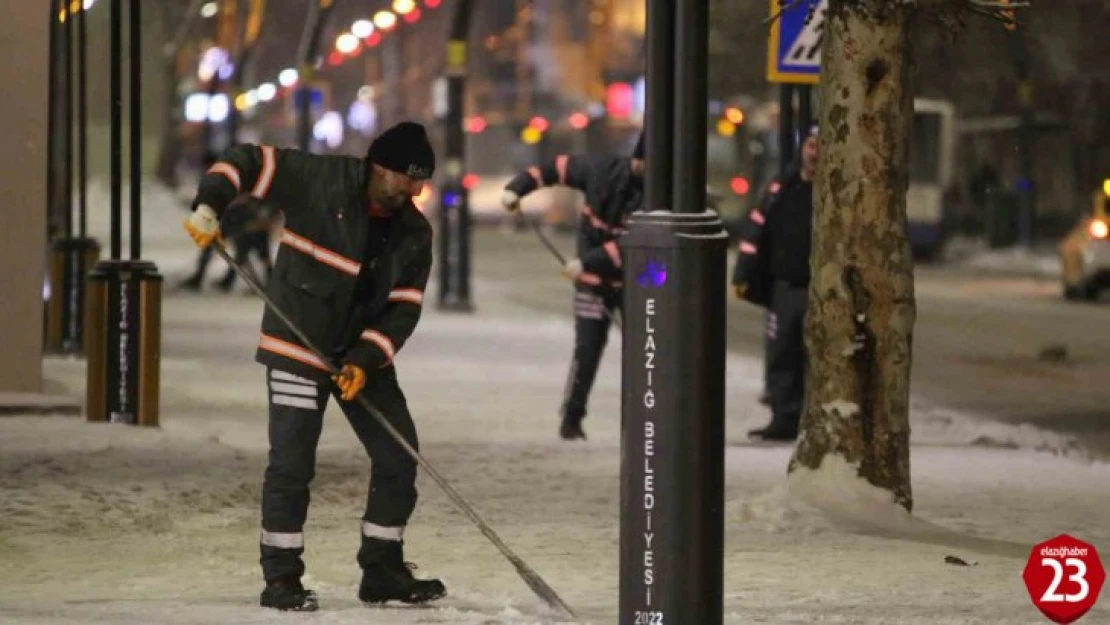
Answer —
(973, 254)
(114, 524)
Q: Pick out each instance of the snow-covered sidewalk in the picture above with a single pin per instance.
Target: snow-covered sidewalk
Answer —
(114, 524)
(973, 255)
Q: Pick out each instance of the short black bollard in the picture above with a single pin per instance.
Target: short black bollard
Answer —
(70, 262)
(124, 329)
(672, 410)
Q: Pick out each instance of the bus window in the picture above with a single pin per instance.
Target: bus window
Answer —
(925, 149)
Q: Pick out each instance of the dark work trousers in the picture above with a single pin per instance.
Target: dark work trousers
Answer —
(296, 419)
(786, 355)
(768, 326)
(593, 314)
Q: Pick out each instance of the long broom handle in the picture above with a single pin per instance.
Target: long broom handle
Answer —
(534, 581)
(555, 252)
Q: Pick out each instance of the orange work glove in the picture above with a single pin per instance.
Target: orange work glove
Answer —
(203, 226)
(350, 380)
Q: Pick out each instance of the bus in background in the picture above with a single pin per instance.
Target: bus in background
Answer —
(740, 168)
(932, 158)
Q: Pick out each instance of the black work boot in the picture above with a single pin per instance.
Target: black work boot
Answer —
(779, 430)
(571, 427)
(288, 594)
(387, 577)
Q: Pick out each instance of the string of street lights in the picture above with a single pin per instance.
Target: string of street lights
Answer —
(363, 33)
(367, 34)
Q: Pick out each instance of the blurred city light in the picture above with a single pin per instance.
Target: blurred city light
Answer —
(211, 61)
(267, 91)
(209, 9)
(346, 43)
(531, 135)
(362, 29)
(726, 128)
(475, 124)
(288, 77)
(385, 20)
(539, 123)
(619, 100)
(218, 108)
(404, 6)
(329, 129)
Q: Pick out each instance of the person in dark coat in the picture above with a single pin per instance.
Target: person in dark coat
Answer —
(351, 271)
(614, 188)
(773, 271)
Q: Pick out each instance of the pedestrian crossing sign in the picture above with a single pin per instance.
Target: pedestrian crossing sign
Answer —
(794, 43)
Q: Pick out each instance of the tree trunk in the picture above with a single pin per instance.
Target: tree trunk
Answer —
(859, 325)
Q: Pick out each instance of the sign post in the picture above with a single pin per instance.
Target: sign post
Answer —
(672, 401)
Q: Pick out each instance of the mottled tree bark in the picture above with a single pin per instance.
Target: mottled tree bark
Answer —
(859, 325)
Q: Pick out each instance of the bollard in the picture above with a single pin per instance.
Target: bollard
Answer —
(70, 262)
(454, 249)
(672, 413)
(124, 329)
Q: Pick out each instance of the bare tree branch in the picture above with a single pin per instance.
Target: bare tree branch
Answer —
(783, 8)
(952, 10)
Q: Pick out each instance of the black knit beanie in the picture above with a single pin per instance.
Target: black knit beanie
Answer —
(404, 148)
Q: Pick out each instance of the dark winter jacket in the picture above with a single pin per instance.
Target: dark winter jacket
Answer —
(612, 191)
(775, 238)
(324, 199)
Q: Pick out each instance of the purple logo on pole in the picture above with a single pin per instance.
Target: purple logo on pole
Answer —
(654, 275)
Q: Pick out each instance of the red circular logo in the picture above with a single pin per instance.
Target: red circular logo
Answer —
(1063, 577)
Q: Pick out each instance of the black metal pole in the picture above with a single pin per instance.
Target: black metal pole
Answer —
(237, 82)
(68, 183)
(455, 215)
(673, 352)
(116, 124)
(209, 128)
(310, 43)
(52, 124)
(691, 104)
(136, 134)
(786, 126)
(82, 124)
(659, 116)
(805, 109)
